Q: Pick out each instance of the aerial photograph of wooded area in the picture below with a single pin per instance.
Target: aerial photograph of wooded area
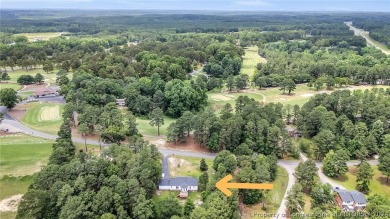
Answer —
(208, 109)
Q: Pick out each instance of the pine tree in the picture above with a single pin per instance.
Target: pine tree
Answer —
(364, 176)
(203, 165)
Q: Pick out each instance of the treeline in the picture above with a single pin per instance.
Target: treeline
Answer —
(113, 22)
(249, 127)
(356, 121)
(120, 182)
(316, 64)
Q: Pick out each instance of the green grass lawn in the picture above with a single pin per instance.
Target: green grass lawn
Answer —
(25, 94)
(250, 60)
(49, 78)
(23, 155)
(378, 183)
(10, 85)
(191, 167)
(299, 96)
(273, 199)
(13, 186)
(33, 117)
(146, 129)
(40, 36)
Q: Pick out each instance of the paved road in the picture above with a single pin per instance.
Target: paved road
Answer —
(364, 34)
(16, 124)
(288, 165)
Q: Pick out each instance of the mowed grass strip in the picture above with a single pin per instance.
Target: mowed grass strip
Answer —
(146, 129)
(44, 117)
(40, 36)
(10, 85)
(20, 159)
(49, 78)
(250, 61)
(299, 96)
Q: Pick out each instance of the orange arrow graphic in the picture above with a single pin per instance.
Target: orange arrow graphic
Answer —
(224, 185)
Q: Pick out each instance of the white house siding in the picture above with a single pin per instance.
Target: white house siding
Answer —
(164, 188)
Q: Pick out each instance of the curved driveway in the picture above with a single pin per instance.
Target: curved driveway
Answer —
(288, 165)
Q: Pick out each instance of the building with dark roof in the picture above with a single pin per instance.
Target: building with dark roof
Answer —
(41, 92)
(182, 184)
(121, 102)
(350, 200)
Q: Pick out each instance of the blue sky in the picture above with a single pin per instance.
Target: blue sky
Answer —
(254, 5)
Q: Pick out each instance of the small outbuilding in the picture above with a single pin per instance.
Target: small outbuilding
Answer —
(121, 102)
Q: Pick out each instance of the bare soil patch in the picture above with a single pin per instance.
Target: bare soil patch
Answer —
(32, 87)
(10, 203)
(189, 145)
(18, 112)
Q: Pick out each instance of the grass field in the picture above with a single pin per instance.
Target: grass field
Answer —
(378, 183)
(40, 36)
(11, 186)
(300, 95)
(49, 78)
(189, 166)
(10, 85)
(23, 155)
(146, 129)
(250, 60)
(273, 198)
(45, 117)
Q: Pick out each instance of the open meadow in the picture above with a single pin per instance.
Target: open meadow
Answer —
(49, 78)
(299, 96)
(40, 36)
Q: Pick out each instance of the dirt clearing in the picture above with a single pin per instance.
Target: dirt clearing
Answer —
(11, 203)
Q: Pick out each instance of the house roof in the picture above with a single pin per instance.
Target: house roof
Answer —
(183, 182)
(358, 197)
(344, 195)
(41, 91)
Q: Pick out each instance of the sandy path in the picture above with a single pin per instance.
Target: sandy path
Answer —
(10, 203)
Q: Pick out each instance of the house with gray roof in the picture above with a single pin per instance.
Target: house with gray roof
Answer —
(182, 184)
(350, 200)
(178, 184)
